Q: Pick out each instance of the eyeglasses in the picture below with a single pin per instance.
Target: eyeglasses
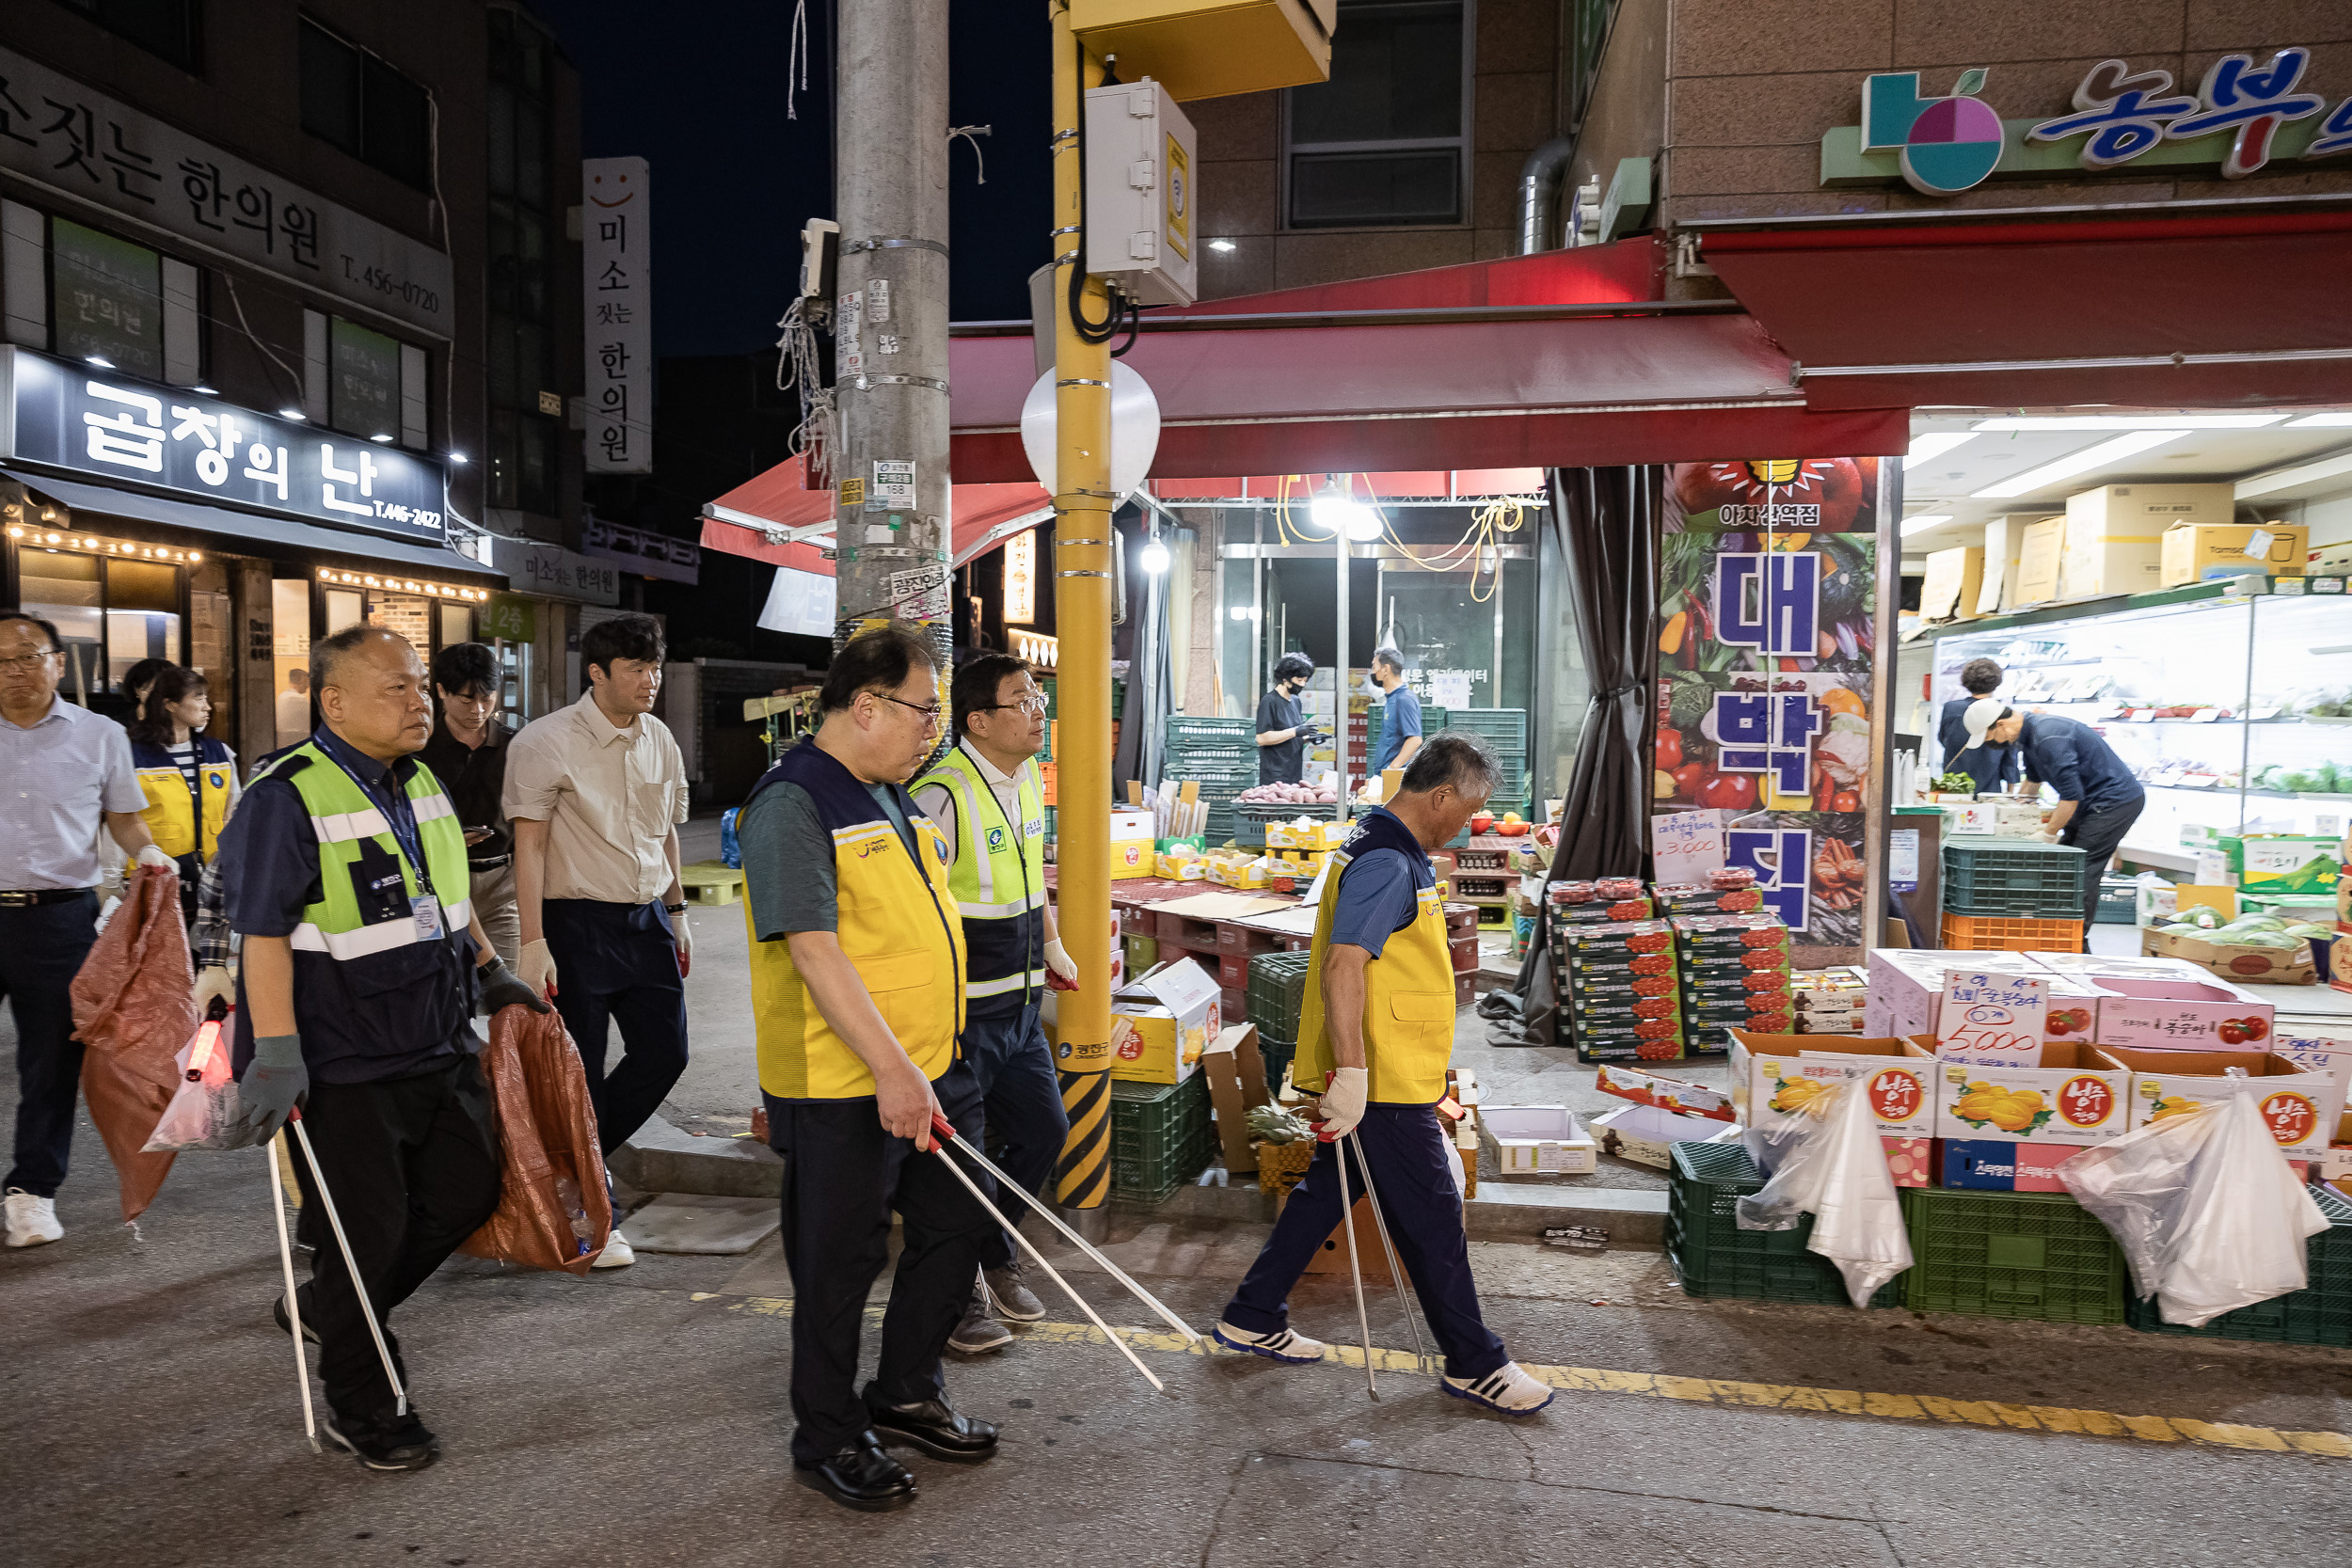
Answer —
(1033, 707)
(25, 663)
(930, 714)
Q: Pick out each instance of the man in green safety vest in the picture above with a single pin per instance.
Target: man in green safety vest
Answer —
(985, 796)
(346, 870)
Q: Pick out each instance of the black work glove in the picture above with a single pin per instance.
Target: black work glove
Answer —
(501, 987)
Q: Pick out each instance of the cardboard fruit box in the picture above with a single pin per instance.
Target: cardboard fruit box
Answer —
(2007, 1128)
(1773, 1077)
(2300, 1107)
(2247, 966)
(2203, 1014)
(1906, 989)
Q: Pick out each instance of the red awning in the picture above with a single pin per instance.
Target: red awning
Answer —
(2174, 312)
(748, 519)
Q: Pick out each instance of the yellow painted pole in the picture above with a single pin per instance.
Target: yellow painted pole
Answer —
(1081, 611)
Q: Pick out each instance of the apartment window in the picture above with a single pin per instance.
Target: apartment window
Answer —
(520, 346)
(363, 388)
(109, 299)
(1387, 139)
(1588, 39)
(169, 29)
(355, 100)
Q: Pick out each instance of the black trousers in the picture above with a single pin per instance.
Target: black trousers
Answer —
(412, 1164)
(842, 1176)
(2098, 832)
(617, 963)
(42, 949)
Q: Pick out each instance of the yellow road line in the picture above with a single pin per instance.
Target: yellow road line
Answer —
(1731, 1394)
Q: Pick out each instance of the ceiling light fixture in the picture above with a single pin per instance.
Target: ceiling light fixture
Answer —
(1934, 443)
(94, 359)
(1925, 521)
(203, 390)
(2132, 421)
(458, 458)
(2082, 462)
(294, 413)
(380, 438)
(1343, 515)
(1221, 245)
(1155, 557)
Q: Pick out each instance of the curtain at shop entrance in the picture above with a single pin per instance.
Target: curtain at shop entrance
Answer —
(1606, 521)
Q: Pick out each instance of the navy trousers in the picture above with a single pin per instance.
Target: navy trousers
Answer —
(41, 948)
(617, 963)
(1410, 1162)
(1013, 1066)
(842, 1176)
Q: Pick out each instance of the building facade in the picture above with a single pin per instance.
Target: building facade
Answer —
(290, 297)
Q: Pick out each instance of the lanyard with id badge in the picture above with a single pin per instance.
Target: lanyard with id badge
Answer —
(375, 875)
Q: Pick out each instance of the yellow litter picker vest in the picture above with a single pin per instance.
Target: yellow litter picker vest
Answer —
(897, 925)
(1408, 990)
(180, 826)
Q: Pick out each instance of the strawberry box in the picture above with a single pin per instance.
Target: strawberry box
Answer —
(1682, 898)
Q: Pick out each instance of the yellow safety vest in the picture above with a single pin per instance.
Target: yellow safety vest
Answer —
(1408, 997)
(170, 813)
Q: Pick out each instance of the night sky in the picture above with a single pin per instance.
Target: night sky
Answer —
(697, 90)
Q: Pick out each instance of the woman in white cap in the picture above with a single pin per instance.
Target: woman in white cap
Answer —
(2099, 796)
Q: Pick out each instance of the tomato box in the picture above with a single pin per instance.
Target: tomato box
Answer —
(2300, 1107)
(1906, 988)
(1773, 1077)
(1682, 898)
(2006, 1128)
(2203, 1014)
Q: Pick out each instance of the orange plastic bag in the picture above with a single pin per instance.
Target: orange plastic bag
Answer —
(133, 1008)
(553, 1211)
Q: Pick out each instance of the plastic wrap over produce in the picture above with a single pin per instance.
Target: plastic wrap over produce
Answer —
(1828, 1163)
(2207, 1208)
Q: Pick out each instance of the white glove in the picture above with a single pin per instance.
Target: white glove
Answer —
(213, 981)
(685, 936)
(150, 855)
(536, 967)
(2047, 835)
(1057, 960)
(1343, 1101)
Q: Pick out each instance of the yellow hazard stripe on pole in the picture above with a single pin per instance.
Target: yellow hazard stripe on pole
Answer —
(1730, 1394)
(1083, 1180)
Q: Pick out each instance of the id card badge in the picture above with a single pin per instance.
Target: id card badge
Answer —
(427, 910)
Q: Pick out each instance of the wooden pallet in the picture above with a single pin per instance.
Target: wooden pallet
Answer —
(709, 882)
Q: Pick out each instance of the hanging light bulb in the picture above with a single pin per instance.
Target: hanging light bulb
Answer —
(1154, 557)
(1343, 514)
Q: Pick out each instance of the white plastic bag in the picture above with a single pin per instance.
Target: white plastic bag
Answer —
(2205, 1207)
(1837, 1172)
(203, 1110)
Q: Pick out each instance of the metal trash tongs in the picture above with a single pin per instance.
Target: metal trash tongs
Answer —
(947, 1135)
(351, 1265)
(1355, 1268)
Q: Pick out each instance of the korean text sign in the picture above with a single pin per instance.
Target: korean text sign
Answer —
(1992, 1019)
(107, 426)
(616, 291)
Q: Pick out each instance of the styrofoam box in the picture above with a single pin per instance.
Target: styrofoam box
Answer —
(1539, 1140)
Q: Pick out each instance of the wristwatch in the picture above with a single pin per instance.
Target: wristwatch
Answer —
(673, 908)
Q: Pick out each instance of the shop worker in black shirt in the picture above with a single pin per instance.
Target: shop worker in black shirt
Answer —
(1283, 730)
(468, 753)
(2099, 795)
(1992, 767)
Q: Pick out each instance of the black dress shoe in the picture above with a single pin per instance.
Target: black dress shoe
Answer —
(859, 1476)
(391, 1443)
(932, 1426)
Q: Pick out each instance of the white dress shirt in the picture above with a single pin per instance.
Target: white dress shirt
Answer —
(57, 778)
(609, 794)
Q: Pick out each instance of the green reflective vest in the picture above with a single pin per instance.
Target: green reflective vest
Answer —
(367, 886)
(998, 879)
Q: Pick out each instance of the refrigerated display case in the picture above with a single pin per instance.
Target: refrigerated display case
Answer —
(2236, 713)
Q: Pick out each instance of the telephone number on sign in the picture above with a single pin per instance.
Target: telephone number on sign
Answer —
(382, 282)
(416, 516)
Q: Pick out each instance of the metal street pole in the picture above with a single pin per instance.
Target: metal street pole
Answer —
(1343, 692)
(1082, 608)
(891, 505)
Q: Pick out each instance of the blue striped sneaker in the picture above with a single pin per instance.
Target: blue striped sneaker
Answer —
(1506, 1388)
(1281, 1345)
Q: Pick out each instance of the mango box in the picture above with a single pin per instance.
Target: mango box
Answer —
(2074, 1098)
(1775, 1076)
(1986, 1166)
(2203, 1014)
(1173, 1014)
(2300, 1107)
(1134, 851)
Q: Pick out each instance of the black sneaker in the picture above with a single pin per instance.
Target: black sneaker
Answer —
(285, 1324)
(401, 1442)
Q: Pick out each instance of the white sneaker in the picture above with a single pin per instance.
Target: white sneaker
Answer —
(1282, 1345)
(617, 1253)
(32, 1220)
(1506, 1388)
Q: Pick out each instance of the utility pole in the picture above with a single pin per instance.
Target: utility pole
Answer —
(889, 462)
(1082, 609)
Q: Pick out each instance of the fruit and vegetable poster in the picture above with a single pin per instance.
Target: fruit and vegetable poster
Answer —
(1768, 632)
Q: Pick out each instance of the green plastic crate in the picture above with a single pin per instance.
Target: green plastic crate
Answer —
(1278, 1056)
(1714, 1258)
(2036, 1255)
(2012, 878)
(2319, 1314)
(1162, 1136)
(1276, 992)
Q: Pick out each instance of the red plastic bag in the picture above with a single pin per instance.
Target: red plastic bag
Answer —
(553, 1211)
(133, 1008)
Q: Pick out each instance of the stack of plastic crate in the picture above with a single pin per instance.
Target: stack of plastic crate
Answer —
(1275, 993)
(1218, 754)
(1162, 1136)
(1504, 729)
(2017, 895)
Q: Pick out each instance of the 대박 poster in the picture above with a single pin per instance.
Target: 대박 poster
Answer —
(1767, 645)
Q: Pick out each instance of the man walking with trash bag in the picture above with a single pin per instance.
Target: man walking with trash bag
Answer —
(857, 961)
(362, 965)
(983, 794)
(1378, 1031)
(71, 770)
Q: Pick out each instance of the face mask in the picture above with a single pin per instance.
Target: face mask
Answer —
(1372, 687)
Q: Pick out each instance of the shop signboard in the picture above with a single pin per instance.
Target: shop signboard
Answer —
(643, 554)
(534, 568)
(1768, 584)
(509, 618)
(108, 427)
(616, 291)
(62, 137)
(2247, 113)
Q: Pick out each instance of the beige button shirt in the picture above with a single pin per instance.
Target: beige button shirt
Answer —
(609, 797)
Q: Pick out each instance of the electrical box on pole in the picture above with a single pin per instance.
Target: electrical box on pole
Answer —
(1140, 194)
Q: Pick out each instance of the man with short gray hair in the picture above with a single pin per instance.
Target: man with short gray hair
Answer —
(1377, 1034)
